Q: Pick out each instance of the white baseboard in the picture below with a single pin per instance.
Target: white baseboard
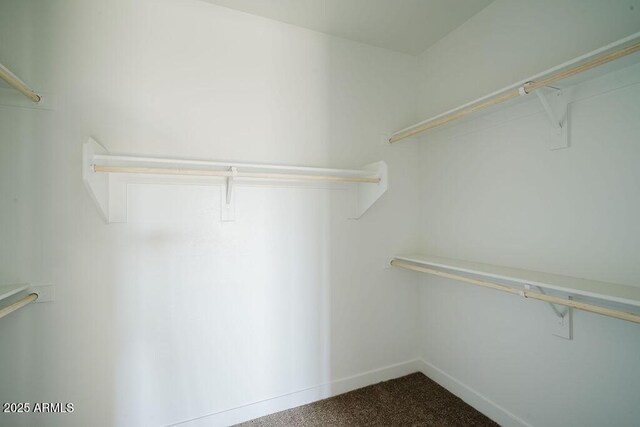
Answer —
(302, 397)
(491, 409)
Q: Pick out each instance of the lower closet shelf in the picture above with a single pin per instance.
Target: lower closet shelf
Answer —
(608, 292)
(8, 290)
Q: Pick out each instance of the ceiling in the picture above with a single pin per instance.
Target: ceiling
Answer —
(408, 26)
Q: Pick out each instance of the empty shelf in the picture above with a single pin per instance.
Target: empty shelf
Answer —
(613, 57)
(613, 292)
(18, 84)
(7, 290)
(107, 175)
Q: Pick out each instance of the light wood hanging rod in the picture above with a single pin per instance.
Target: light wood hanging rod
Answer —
(618, 314)
(18, 304)
(18, 84)
(514, 92)
(232, 174)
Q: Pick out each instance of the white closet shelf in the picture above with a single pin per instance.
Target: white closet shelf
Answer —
(106, 177)
(611, 292)
(35, 294)
(8, 290)
(18, 84)
(615, 56)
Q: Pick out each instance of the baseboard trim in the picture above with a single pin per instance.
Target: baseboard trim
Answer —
(302, 397)
(472, 397)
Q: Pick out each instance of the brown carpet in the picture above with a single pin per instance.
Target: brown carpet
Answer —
(414, 400)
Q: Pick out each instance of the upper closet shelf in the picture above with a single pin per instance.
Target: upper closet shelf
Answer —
(609, 292)
(18, 84)
(106, 177)
(15, 93)
(607, 59)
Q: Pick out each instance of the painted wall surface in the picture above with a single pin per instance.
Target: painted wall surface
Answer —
(20, 142)
(176, 315)
(493, 192)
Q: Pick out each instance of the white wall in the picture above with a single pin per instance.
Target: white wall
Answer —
(493, 192)
(176, 315)
(20, 141)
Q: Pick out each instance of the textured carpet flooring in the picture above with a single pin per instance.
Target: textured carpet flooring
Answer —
(414, 400)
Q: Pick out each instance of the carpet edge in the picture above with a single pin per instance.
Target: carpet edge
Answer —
(301, 397)
(470, 396)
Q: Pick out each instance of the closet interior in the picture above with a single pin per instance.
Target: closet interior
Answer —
(224, 212)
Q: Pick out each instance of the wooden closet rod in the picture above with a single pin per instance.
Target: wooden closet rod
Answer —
(515, 92)
(618, 314)
(206, 172)
(18, 304)
(18, 84)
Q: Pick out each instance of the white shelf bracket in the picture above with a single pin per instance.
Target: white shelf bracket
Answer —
(559, 121)
(367, 193)
(562, 320)
(108, 191)
(107, 177)
(227, 205)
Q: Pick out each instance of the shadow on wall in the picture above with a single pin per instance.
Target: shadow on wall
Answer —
(213, 315)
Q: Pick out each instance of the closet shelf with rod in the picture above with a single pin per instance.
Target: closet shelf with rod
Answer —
(39, 294)
(16, 93)
(18, 84)
(7, 291)
(106, 177)
(477, 273)
(613, 57)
